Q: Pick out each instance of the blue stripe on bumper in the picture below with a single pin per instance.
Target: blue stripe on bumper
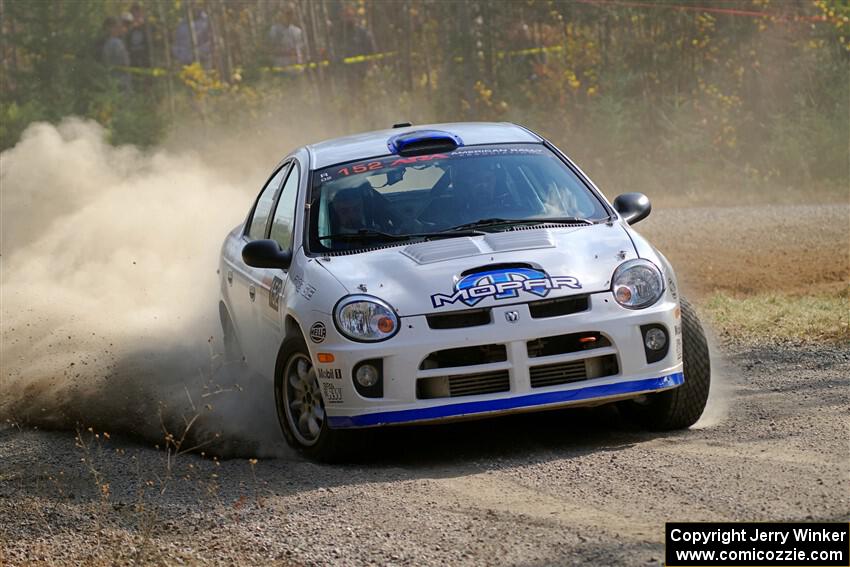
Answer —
(436, 412)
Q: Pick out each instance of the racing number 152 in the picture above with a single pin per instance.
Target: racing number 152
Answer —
(361, 168)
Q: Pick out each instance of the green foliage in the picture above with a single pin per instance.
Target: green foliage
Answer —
(15, 118)
(133, 122)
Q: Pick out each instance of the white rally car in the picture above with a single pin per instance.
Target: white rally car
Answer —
(450, 271)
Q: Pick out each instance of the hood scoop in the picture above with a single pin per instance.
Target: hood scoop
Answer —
(452, 248)
(515, 240)
(440, 250)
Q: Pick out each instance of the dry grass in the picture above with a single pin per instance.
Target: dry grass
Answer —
(810, 318)
(750, 194)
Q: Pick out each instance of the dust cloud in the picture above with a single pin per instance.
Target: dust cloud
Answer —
(108, 292)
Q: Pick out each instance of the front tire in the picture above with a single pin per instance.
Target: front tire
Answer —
(680, 407)
(301, 407)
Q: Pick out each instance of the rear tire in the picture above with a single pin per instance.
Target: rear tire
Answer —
(301, 408)
(680, 407)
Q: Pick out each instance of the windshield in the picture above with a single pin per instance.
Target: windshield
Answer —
(356, 204)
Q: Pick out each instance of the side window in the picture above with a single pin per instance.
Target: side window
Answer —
(260, 218)
(284, 216)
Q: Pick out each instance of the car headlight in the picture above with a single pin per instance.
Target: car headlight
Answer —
(637, 284)
(365, 318)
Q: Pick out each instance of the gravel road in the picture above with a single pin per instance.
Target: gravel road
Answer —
(567, 487)
(783, 248)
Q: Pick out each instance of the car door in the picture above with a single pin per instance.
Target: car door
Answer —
(268, 312)
(246, 280)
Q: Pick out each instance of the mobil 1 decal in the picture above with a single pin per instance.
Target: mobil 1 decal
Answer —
(503, 283)
(329, 373)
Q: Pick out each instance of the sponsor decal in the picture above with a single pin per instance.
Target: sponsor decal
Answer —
(329, 373)
(672, 286)
(380, 165)
(678, 331)
(331, 393)
(376, 165)
(499, 151)
(275, 292)
(302, 288)
(503, 283)
(318, 332)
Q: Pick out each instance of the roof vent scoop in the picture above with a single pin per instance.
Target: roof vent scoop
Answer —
(423, 142)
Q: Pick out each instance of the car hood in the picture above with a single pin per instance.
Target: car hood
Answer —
(499, 268)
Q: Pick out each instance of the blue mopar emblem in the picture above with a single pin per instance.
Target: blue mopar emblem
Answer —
(503, 283)
(490, 281)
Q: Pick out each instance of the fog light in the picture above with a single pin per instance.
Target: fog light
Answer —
(655, 339)
(368, 378)
(656, 342)
(367, 375)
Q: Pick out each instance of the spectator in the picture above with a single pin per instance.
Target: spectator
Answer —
(138, 38)
(520, 38)
(115, 54)
(355, 38)
(287, 39)
(182, 49)
(127, 20)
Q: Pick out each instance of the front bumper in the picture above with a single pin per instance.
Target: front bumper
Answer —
(403, 355)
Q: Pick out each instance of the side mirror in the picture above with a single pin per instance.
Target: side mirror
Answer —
(634, 207)
(266, 254)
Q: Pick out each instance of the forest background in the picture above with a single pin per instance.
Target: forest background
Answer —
(747, 98)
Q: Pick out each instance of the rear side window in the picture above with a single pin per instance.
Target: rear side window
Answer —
(284, 215)
(263, 208)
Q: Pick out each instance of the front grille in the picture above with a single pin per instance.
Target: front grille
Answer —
(573, 371)
(465, 356)
(460, 320)
(557, 307)
(565, 344)
(463, 385)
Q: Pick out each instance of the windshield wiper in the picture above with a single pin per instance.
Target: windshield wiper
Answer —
(365, 234)
(507, 222)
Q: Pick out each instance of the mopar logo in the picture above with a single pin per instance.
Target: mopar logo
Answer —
(503, 284)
